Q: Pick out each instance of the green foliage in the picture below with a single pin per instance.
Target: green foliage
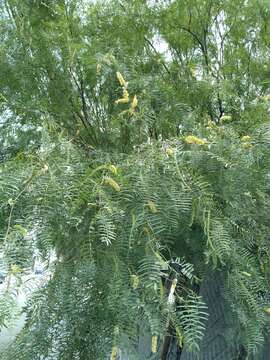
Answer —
(118, 189)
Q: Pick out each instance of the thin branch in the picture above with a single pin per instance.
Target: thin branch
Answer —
(157, 53)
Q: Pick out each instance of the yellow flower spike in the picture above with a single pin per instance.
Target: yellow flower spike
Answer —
(125, 94)
(121, 80)
(15, 269)
(245, 138)
(134, 102)
(112, 183)
(267, 311)
(114, 353)
(133, 105)
(191, 139)
(169, 151)
(113, 169)
(152, 207)
(225, 118)
(121, 101)
(124, 99)
(247, 145)
(154, 344)
(210, 124)
(135, 281)
(98, 68)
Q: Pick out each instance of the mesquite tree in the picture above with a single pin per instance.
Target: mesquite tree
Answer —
(134, 135)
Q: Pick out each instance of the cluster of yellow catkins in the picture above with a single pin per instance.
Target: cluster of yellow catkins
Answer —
(125, 98)
(245, 138)
(246, 141)
(191, 139)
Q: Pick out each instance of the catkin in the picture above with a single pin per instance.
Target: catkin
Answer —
(114, 353)
(191, 139)
(154, 344)
(112, 183)
(121, 79)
